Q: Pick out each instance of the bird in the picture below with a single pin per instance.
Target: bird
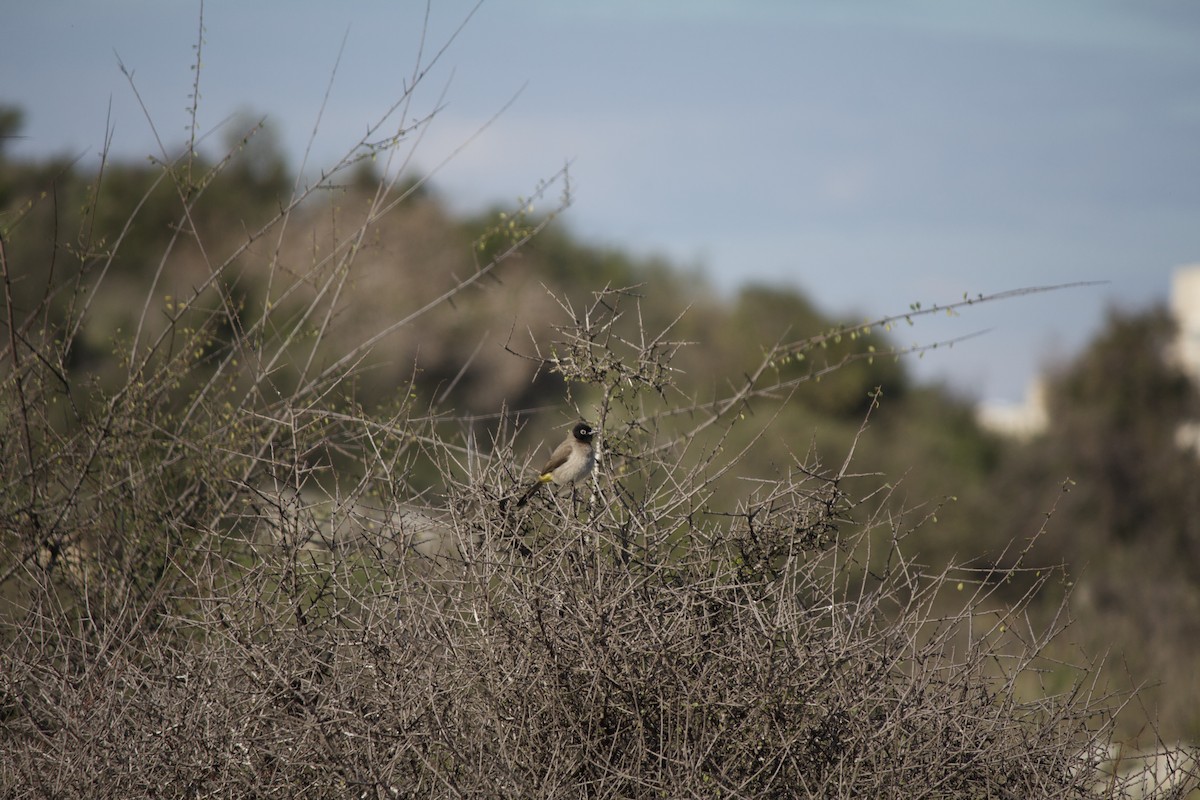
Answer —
(571, 461)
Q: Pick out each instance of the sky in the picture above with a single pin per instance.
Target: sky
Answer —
(872, 154)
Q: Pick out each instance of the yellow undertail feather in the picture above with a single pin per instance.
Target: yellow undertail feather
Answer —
(544, 478)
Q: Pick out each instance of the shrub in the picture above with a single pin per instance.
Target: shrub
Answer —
(223, 577)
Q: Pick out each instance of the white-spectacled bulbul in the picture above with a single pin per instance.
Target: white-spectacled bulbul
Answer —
(571, 461)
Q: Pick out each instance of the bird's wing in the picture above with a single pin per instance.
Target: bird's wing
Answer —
(557, 459)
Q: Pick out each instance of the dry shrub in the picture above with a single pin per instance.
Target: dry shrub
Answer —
(221, 577)
(284, 633)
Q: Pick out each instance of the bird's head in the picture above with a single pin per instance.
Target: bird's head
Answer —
(583, 432)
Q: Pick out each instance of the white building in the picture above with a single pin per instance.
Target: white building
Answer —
(1022, 420)
(1185, 307)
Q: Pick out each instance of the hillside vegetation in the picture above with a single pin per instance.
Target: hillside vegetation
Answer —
(257, 447)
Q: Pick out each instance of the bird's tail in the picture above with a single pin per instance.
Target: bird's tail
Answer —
(529, 493)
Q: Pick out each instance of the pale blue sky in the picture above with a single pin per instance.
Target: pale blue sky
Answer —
(873, 154)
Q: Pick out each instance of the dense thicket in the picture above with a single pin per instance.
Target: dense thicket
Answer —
(257, 446)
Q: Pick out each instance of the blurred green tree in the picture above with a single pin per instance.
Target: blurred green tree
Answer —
(1116, 417)
(763, 315)
(12, 119)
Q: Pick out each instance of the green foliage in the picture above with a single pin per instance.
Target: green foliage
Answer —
(1115, 416)
(841, 364)
(1125, 492)
(11, 120)
(1121, 405)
